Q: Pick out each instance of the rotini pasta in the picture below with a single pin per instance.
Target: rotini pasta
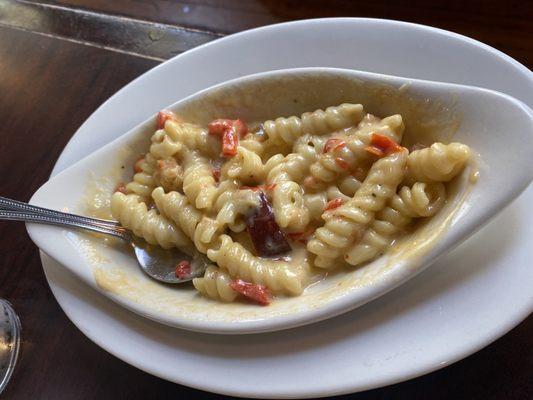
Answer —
(143, 181)
(168, 174)
(438, 163)
(344, 224)
(267, 204)
(215, 284)
(198, 181)
(421, 200)
(319, 122)
(348, 149)
(246, 166)
(279, 276)
(193, 137)
(177, 207)
(148, 224)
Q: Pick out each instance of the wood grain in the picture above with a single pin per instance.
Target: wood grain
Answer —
(50, 85)
(505, 25)
(136, 37)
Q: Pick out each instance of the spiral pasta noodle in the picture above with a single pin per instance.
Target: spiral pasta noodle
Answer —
(246, 166)
(347, 222)
(168, 174)
(438, 163)
(148, 224)
(198, 181)
(345, 157)
(239, 262)
(319, 122)
(193, 137)
(143, 181)
(177, 207)
(421, 200)
(288, 200)
(215, 284)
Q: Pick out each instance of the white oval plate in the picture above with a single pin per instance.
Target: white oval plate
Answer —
(456, 307)
(477, 117)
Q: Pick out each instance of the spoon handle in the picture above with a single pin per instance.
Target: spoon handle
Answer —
(116, 231)
(14, 205)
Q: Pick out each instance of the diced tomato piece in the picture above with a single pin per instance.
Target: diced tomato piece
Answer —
(121, 188)
(382, 145)
(253, 291)
(230, 141)
(334, 144)
(183, 269)
(163, 116)
(219, 126)
(332, 204)
(216, 174)
(374, 150)
(341, 163)
(230, 130)
(241, 129)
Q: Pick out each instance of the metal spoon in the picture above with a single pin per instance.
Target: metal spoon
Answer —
(9, 342)
(157, 262)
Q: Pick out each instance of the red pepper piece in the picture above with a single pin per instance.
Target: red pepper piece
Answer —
(183, 269)
(230, 141)
(163, 116)
(332, 204)
(219, 126)
(334, 144)
(253, 291)
(230, 130)
(341, 163)
(241, 129)
(382, 145)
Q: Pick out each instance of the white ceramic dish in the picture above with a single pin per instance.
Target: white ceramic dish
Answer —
(466, 300)
(477, 117)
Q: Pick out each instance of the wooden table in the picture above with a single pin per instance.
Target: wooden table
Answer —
(59, 60)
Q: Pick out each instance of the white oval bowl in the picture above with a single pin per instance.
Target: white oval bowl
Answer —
(483, 117)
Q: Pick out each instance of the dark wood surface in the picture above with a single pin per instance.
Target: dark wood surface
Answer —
(59, 60)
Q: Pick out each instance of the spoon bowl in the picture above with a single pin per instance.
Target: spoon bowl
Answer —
(494, 125)
(160, 263)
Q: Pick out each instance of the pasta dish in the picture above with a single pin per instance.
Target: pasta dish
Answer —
(273, 204)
